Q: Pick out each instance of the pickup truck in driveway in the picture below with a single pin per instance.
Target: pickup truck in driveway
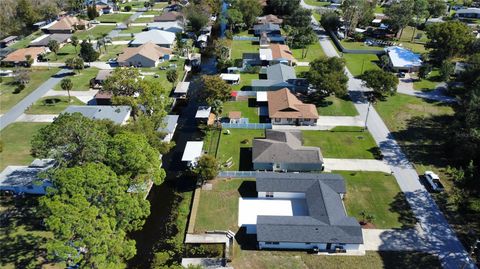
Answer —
(434, 181)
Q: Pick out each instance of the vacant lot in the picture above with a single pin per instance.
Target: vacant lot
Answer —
(245, 82)
(7, 90)
(349, 144)
(377, 194)
(95, 32)
(237, 146)
(111, 52)
(247, 112)
(359, 63)
(240, 47)
(118, 17)
(67, 51)
(52, 105)
(311, 53)
(81, 80)
(16, 143)
(335, 106)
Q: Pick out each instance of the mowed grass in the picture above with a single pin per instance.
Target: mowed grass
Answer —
(8, 98)
(353, 45)
(16, 143)
(222, 200)
(81, 80)
(24, 42)
(429, 83)
(95, 32)
(262, 259)
(133, 29)
(317, 3)
(231, 146)
(52, 105)
(118, 17)
(335, 106)
(240, 47)
(247, 112)
(112, 52)
(342, 144)
(65, 52)
(359, 63)
(377, 194)
(245, 82)
(144, 19)
(311, 53)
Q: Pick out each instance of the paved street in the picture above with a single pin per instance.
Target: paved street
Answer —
(440, 238)
(405, 86)
(19, 108)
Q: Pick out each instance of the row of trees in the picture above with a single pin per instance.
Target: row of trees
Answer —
(89, 210)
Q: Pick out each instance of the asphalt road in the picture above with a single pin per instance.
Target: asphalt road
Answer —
(19, 108)
(440, 239)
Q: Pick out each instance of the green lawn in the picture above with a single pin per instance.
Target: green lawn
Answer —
(240, 47)
(317, 16)
(317, 3)
(8, 96)
(160, 5)
(95, 32)
(348, 144)
(377, 194)
(16, 143)
(260, 259)
(242, 106)
(429, 83)
(245, 82)
(408, 32)
(353, 45)
(133, 29)
(151, 12)
(162, 74)
(144, 19)
(222, 200)
(122, 38)
(81, 81)
(112, 52)
(379, 9)
(24, 42)
(358, 62)
(118, 17)
(67, 51)
(52, 105)
(231, 146)
(334, 106)
(313, 52)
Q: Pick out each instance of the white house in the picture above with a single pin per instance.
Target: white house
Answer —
(146, 55)
(25, 179)
(169, 127)
(169, 26)
(117, 114)
(233, 79)
(402, 59)
(470, 12)
(193, 151)
(158, 37)
(300, 211)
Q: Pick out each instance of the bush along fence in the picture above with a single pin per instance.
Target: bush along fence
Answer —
(344, 50)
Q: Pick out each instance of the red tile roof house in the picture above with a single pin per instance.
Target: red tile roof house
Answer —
(19, 57)
(284, 108)
(67, 25)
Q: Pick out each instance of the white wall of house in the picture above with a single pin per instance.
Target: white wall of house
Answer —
(290, 121)
(292, 245)
(282, 195)
(139, 60)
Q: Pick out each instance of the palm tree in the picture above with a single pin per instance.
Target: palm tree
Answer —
(99, 44)
(104, 35)
(67, 85)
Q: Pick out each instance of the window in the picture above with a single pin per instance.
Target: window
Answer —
(289, 119)
(269, 194)
(272, 243)
(277, 120)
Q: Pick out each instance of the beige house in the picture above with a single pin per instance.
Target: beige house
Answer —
(19, 56)
(147, 55)
(284, 108)
(67, 25)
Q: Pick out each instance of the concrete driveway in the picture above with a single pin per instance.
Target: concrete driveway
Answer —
(356, 165)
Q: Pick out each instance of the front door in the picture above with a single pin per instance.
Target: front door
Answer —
(329, 246)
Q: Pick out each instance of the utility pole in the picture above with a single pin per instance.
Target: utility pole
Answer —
(371, 99)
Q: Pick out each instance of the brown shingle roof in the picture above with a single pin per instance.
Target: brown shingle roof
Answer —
(281, 51)
(19, 55)
(270, 18)
(168, 16)
(283, 104)
(67, 23)
(148, 50)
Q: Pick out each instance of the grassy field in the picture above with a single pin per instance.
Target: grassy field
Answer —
(317, 3)
(7, 90)
(231, 146)
(222, 200)
(358, 62)
(261, 259)
(52, 105)
(341, 144)
(23, 237)
(24, 42)
(67, 51)
(313, 52)
(335, 106)
(118, 17)
(242, 106)
(81, 81)
(112, 52)
(240, 47)
(162, 74)
(144, 19)
(16, 143)
(350, 44)
(245, 82)
(428, 84)
(377, 194)
(133, 29)
(95, 32)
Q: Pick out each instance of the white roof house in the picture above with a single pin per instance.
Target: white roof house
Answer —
(470, 12)
(265, 54)
(203, 112)
(117, 114)
(193, 150)
(250, 208)
(169, 127)
(230, 78)
(262, 97)
(402, 59)
(158, 37)
(182, 88)
(169, 26)
(24, 179)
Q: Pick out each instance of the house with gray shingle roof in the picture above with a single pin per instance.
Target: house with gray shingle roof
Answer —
(26, 179)
(283, 151)
(300, 211)
(279, 76)
(117, 114)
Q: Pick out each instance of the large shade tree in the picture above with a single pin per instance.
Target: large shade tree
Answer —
(448, 39)
(327, 75)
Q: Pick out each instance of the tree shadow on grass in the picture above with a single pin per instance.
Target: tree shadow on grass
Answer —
(401, 207)
(409, 259)
(245, 160)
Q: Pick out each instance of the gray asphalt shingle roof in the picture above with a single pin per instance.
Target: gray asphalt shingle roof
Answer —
(60, 38)
(281, 72)
(116, 114)
(326, 222)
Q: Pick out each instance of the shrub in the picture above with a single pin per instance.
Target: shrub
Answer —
(127, 8)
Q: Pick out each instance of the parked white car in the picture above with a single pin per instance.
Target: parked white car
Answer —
(434, 181)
